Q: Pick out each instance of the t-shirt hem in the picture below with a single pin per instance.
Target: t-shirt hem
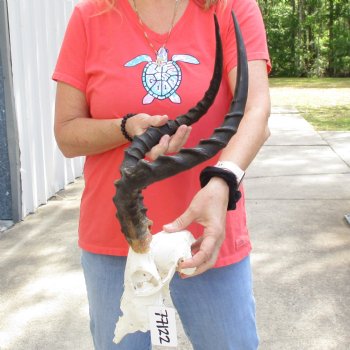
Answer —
(252, 56)
(69, 80)
(103, 250)
(233, 258)
(221, 262)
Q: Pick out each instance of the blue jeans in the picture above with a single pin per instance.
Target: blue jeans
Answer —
(217, 308)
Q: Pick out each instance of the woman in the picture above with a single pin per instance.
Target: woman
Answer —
(101, 80)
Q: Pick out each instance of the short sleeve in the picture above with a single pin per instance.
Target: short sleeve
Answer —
(70, 67)
(253, 30)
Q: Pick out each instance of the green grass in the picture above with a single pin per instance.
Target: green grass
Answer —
(324, 102)
(318, 83)
(335, 118)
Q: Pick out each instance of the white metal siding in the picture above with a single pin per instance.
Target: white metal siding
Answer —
(36, 32)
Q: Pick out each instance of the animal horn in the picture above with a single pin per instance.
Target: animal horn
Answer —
(129, 201)
(143, 143)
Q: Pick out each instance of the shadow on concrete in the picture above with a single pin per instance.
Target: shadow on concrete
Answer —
(298, 190)
(42, 281)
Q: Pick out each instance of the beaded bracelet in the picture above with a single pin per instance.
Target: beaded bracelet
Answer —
(123, 124)
(229, 177)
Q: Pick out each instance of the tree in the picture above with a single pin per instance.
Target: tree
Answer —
(308, 37)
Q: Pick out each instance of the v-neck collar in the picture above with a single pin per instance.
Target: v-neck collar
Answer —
(154, 36)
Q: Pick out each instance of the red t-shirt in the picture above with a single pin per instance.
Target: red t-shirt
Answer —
(93, 59)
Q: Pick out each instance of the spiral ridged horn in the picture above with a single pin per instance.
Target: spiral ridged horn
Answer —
(137, 174)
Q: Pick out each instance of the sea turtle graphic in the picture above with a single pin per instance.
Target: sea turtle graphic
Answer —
(162, 78)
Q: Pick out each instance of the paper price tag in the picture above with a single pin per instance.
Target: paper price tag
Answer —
(163, 326)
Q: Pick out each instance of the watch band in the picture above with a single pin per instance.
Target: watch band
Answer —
(228, 176)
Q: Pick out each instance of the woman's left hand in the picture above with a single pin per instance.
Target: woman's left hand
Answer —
(208, 208)
(170, 144)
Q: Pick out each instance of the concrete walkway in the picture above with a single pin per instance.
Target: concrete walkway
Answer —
(298, 190)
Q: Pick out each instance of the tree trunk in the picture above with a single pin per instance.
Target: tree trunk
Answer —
(331, 67)
(300, 36)
(293, 33)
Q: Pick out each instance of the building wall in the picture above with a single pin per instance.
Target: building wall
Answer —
(5, 178)
(36, 32)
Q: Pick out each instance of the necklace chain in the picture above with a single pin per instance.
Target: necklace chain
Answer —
(169, 31)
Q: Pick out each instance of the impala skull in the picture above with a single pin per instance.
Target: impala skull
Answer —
(147, 278)
(151, 262)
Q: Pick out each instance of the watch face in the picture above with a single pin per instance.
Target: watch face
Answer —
(233, 168)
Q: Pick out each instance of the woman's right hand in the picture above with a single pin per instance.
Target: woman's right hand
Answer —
(78, 134)
(139, 123)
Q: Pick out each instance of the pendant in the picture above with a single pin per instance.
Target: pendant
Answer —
(162, 56)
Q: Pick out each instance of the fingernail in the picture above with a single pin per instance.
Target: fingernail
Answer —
(168, 227)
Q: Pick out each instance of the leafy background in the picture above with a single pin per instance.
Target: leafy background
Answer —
(308, 38)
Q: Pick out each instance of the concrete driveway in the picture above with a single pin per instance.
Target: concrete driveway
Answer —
(298, 191)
